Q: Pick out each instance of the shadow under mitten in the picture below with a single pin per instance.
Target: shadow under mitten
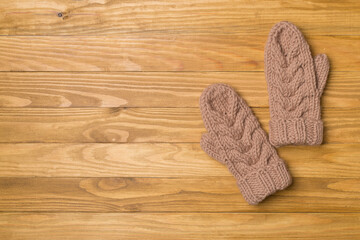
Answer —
(236, 139)
(295, 84)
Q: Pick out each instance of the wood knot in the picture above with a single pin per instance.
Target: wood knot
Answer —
(63, 15)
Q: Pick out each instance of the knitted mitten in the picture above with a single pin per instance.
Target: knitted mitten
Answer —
(236, 139)
(295, 83)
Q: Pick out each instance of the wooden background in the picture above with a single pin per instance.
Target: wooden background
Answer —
(100, 126)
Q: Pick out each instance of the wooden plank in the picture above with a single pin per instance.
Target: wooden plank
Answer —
(151, 52)
(199, 194)
(176, 226)
(149, 89)
(162, 160)
(80, 125)
(179, 16)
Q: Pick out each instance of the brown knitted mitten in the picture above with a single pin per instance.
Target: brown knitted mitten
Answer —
(236, 139)
(295, 83)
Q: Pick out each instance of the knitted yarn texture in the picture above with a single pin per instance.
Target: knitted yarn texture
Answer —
(236, 139)
(295, 84)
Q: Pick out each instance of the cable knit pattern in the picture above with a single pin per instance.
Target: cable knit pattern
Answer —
(236, 139)
(295, 83)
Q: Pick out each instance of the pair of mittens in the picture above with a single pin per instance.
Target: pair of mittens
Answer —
(234, 136)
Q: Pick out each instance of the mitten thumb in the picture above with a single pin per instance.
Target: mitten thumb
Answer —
(211, 146)
(322, 66)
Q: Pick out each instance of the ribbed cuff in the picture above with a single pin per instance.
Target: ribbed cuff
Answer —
(297, 131)
(259, 184)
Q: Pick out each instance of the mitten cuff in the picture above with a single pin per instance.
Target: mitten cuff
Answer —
(259, 184)
(296, 131)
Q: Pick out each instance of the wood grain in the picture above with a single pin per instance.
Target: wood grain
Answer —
(159, 52)
(151, 89)
(100, 125)
(164, 226)
(105, 17)
(80, 125)
(162, 160)
(191, 194)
